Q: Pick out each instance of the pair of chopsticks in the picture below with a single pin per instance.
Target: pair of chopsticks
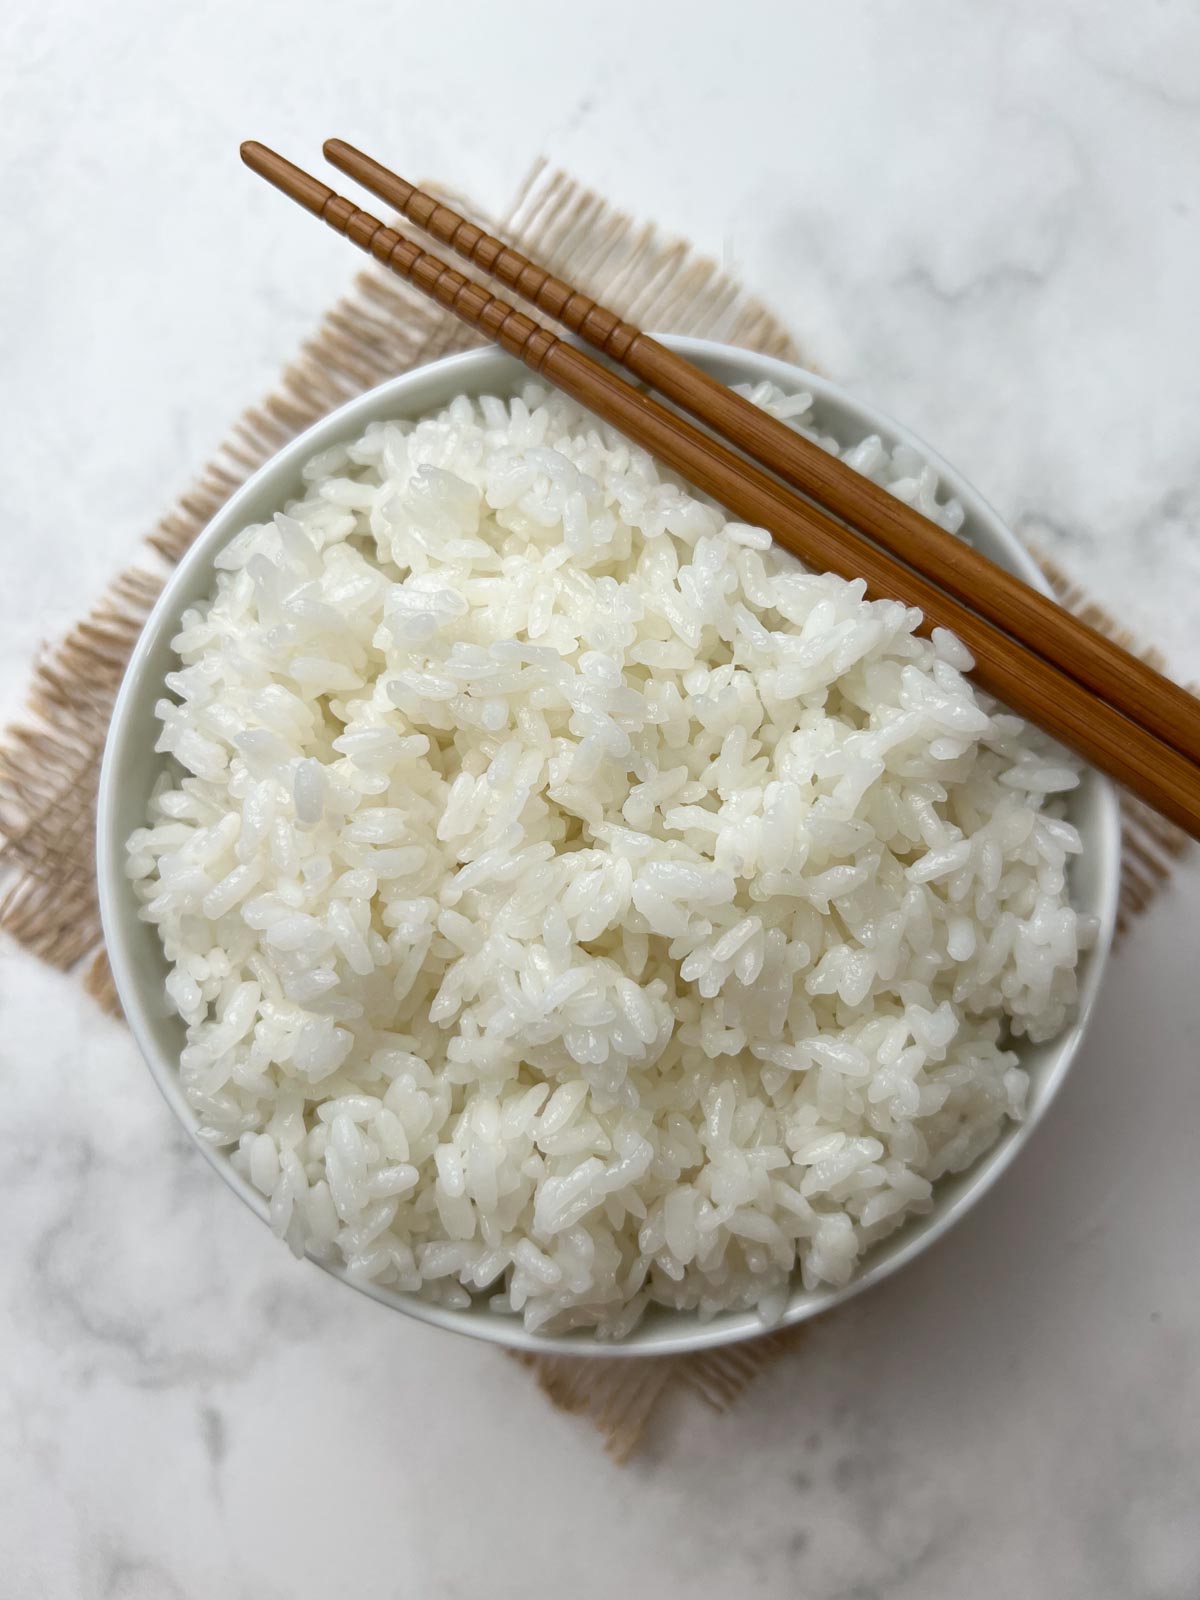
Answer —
(1113, 709)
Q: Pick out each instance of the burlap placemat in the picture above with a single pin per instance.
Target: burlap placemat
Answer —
(49, 761)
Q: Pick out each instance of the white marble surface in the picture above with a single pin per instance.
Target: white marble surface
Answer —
(986, 218)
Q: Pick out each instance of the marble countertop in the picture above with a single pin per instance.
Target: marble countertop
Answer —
(984, 218)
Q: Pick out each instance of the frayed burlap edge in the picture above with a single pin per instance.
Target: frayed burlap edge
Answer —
(49, 761)
(619, 1397)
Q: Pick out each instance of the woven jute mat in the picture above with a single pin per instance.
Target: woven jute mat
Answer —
(49, 761)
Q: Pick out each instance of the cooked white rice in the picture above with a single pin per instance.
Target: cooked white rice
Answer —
(572, 901)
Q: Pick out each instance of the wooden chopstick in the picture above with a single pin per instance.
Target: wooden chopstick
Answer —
(1128, 684)
(1032, 686)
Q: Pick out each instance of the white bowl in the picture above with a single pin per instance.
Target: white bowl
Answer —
(130, 766)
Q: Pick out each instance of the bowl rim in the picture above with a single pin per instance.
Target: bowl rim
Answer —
(672, 1333)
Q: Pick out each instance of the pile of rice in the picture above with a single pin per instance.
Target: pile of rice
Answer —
(574, 902)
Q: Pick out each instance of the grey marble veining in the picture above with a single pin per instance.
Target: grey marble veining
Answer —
(986, 219)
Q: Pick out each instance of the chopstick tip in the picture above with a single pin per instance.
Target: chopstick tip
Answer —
(254, 155)
(292, 180)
